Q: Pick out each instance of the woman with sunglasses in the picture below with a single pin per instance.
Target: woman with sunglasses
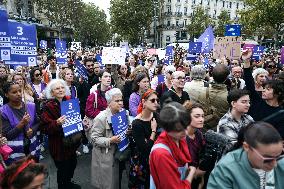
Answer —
(36, 82)
(157, 73)
(167, 84)
(144, 128)
(255, 165)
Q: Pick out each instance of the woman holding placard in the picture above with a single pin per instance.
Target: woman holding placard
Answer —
(51, 124)
(105, 167)
(20, 124)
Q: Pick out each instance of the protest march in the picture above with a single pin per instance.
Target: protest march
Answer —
(205, 114)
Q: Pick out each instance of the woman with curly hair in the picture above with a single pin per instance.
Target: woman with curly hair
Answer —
(27, 90)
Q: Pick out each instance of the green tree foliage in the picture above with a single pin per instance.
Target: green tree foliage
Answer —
(223, 20)
(265, 17)
(130, 18)
(62, 13)
(199, 22)
(93, 28)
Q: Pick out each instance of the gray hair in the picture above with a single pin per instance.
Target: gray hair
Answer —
(258, 71)
(198, 72)
(50, 87)
(111, 93)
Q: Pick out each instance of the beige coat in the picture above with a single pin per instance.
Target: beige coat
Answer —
(213, 99)
(105, 168)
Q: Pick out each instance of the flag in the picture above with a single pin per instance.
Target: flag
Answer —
(233, 30)
(194, 47)
(43, 44)
(282, 55)
(207, 39)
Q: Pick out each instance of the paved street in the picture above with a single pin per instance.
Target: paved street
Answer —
(82, 172)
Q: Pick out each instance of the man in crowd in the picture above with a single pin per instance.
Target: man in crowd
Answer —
(236, 118)
(176, 93)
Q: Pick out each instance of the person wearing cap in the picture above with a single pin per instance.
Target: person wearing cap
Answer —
(167, 84)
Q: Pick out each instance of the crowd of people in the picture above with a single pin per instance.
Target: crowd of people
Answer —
(170, 121)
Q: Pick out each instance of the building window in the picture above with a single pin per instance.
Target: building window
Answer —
(168, 23)
(223, 3)
(185, 10)
(193, 2)
(178, 9)
(201, 2)
(185, 22)
(177, 22)
(237, 5)
(230, 5)
(169, 9)
(178, 1)
(169, 1)
(168, 38)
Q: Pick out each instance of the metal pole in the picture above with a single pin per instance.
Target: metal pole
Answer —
(155, 24)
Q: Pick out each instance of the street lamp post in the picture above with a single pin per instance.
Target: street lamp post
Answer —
(155, 23)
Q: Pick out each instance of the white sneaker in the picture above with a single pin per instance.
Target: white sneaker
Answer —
(78, 153)
(86, 149)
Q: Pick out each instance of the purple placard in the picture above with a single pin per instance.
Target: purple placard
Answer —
(248, 46)
(282, 55)
(161, 79)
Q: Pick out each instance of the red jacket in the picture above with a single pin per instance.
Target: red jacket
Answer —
(90, 110)
(164, 168)
(51, 112)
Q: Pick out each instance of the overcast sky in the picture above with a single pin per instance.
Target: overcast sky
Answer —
(103, 4)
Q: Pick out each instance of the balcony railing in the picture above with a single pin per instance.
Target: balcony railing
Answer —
(171, 27)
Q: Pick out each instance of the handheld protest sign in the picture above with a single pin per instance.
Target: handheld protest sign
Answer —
(23, 44)
(71, 110)
(120, 127)
(81, 70)
(61, 51)
(5, 43)
(227, 47)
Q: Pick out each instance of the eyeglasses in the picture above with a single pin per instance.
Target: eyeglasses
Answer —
(151, 60)
(91, 65)
(154, 100)
(38, 75)
(180, 78)
(268, 159)
(117, 101)
(170, 72)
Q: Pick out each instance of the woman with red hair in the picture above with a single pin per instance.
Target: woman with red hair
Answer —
(144, 128)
